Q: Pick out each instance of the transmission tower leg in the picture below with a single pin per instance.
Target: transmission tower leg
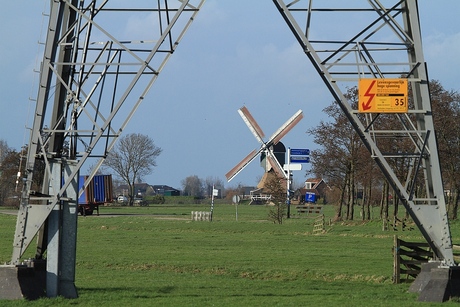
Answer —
(52, 260)
(62, 237)
(55, 275)
(437, 283)
(73, 96)
(69, 233)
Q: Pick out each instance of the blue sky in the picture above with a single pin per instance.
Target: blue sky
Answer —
(233, 55)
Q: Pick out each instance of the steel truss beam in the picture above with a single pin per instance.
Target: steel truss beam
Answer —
(96, 71)
(381, 39)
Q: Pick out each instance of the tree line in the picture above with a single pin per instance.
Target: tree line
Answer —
(133, 157)
(346, 164)
(341, 159)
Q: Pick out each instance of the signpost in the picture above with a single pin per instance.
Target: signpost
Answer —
(300, 152)
(292, 167)
(296, 156)
(383, 96)
(300, 159)
(310, 197)
(236, 200)
(215, 192)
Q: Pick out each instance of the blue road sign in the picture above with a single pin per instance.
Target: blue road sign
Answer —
(310, 197)
(300, 159)
(300, 152)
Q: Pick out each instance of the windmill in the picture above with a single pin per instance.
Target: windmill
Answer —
(266, 150)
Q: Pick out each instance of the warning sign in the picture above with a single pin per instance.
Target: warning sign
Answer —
(383, 96)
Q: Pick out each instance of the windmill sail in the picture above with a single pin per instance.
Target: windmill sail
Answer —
(240, 166)
(276, 166)
(252, 124)
(286, 127)
(266, 147)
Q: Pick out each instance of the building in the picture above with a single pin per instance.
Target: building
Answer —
(165, 190)
(317, 186)
(141, 189)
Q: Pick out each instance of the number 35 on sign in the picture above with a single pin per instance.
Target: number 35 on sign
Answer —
(383, 96)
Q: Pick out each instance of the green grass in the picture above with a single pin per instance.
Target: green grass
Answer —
(156, 256)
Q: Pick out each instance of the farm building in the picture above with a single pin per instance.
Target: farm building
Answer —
(142, 189)
(317, 186)
(165, 190)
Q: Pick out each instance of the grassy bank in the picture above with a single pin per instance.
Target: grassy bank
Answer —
(156, 256)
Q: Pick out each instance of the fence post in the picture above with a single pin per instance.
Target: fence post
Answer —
(201, 216)
(396, 263)
(319, 224)
(411, 256)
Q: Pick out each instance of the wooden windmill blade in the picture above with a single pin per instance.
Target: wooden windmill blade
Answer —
(252, 124)
(286, 127)
(265, 147)
(240, 166)
(276, 166)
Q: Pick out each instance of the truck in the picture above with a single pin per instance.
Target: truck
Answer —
(98, 192)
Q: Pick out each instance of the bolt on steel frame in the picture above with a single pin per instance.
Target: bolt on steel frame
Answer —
(381, 39)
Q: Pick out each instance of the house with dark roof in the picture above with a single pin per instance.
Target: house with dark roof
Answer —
(317, 186)
(165, 190)
(141, 189)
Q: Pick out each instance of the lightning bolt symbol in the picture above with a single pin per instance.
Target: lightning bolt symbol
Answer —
(367, 105)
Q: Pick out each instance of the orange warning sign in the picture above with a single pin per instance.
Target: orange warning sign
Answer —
(383, 96)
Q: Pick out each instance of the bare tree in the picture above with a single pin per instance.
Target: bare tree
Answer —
(211, 182)
(134, 156)
(4, 149)
(341, 155)
(193, 186)
(345, 163)
(91, 167)
(446, 110)
(8, 156)
(10, 168)
(276, 186)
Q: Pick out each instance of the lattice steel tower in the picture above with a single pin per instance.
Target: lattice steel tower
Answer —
(96, 70)
(381, 40)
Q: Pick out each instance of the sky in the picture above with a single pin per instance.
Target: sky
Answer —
(233, 55)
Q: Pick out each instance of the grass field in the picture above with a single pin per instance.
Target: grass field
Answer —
(156, 256)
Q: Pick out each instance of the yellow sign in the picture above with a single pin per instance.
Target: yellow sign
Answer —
(382, 96)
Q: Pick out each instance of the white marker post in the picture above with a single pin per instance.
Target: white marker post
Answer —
(236, 200)
(215, 192)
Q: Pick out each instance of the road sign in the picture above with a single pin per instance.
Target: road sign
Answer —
(300, 159)
(300, 152)
(292, 167)
(383, 96)
(310, 197)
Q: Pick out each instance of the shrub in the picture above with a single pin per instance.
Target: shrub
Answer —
(158, 199)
